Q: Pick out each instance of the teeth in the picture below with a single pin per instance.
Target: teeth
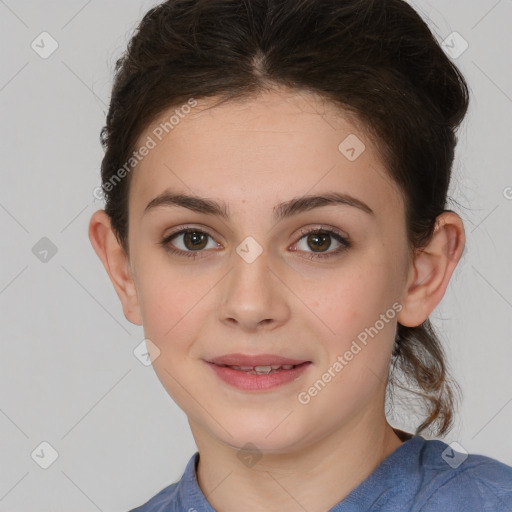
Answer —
(262, 370)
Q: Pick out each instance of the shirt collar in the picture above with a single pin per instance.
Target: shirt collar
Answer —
(190, 496)
(402, 461)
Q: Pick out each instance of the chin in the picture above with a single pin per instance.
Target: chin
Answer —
(270, 434)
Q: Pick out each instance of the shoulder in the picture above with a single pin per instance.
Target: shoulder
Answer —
(178, 496)
(454, 480)
(160, 501)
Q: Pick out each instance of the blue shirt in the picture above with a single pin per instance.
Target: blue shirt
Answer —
(419, 476)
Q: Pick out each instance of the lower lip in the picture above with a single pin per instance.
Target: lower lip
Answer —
(253, 382)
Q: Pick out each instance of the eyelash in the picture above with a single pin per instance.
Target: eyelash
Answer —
(345, 243)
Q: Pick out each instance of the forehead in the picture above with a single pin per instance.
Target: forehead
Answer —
(269, 148)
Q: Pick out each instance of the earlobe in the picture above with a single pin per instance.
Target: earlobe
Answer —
(116, 263)
(432, 269)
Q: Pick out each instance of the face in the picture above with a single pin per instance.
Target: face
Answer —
(307, 281)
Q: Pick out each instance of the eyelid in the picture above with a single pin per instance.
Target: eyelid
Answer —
(323, 227)
(189, 227)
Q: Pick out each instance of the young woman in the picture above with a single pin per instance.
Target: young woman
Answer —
(276, 177)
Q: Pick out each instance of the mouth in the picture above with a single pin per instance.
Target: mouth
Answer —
(254, 361)
(258, 372)
(263, 369)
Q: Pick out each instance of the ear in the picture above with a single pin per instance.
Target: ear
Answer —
(432, 269)
(116, 263)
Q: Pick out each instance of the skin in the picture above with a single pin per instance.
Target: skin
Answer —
(253, 155)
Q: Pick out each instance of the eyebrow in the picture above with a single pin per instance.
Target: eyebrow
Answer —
(281, 211)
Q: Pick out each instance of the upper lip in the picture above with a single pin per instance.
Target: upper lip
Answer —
(254, 360)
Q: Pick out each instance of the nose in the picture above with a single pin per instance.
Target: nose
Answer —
(254, 296)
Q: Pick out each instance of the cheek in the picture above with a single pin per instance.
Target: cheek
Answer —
(352, 298)
(357, 308)
(171, 307)
(168, 301)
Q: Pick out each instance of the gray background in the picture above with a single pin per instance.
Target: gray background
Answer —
(68, 375)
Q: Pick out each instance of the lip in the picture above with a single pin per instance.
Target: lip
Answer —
(254, 360)
(245, 381)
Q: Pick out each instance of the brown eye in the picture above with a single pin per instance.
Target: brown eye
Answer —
(195, 240)
(192, 243)
(320, 240)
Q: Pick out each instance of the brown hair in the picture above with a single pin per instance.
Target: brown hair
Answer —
(375, 59)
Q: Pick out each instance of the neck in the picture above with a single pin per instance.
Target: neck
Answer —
(314, 478)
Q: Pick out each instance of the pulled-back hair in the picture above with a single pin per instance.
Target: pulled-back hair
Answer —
(376, 60)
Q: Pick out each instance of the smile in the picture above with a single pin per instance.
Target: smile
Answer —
(260, 377)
